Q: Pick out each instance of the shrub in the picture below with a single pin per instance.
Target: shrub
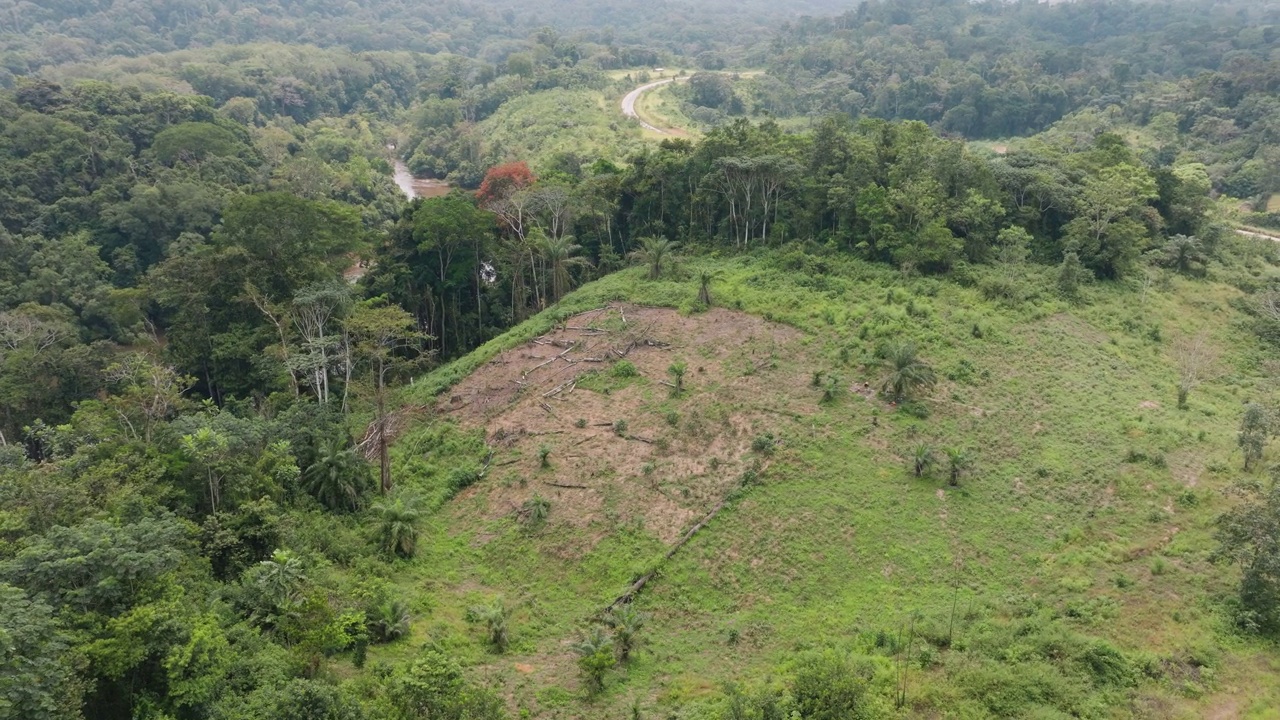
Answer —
(595, 658)
(626, 623)
(494, 619)
(620, 428)
(830, 686)
(624, 369)
(764, 444)
(534, 511)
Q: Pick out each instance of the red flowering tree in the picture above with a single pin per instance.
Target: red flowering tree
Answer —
(502, 181)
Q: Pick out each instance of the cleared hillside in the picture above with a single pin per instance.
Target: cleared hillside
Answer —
(1067, 574)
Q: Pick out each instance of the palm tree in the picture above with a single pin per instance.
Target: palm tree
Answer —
(595, 657)
(397, 527)
(560, 254)
(921, 460)
(281, 578)
(337, 476)
(1183, 253)
(494, 617)
(677, 371)
(653, 251)
(626, 622)
(907, 373)
(389, 620)
(704, 286)
(958, 461)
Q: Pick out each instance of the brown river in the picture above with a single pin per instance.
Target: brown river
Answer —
(414, 187)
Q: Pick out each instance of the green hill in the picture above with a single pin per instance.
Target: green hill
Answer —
(1066, 574)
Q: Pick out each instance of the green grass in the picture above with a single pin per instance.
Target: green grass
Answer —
(538, 126)
(1085, 525)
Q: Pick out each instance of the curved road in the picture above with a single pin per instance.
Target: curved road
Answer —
(629, 104)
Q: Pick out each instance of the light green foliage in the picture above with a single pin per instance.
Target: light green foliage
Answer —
(595, 653)
(1071, 274)
(922, 460)
(677, 372)
(626, 622)
(433, 686)
(35, 681)
(494, 618)
(828, 686)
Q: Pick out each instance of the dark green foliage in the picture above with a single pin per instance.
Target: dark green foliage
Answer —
(98, 566)
(388, 621)
(1182, 254)
(1255, 430)
(397, 527)
(626, 623)
(337, 476)
(235, 540)
(533, 512)
(306, 700)
(654, 253)
(905, 373)
(764, 444)
(1249, 536)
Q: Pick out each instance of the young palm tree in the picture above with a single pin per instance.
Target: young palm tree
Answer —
(921, 460)
(677, 372)
(560, 254)
(654, 250)
(337, 477)
(388, 621)
(494, 617)
(1185, 254)
(958, 462)
(626, 622)
(907, 373)
(595, 657)
(397, 527)
(704, 286)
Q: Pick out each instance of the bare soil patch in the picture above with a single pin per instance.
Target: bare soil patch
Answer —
(622, 451)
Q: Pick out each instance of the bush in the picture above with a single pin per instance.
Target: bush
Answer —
(624, 369)
(764, 444)
(831, 686)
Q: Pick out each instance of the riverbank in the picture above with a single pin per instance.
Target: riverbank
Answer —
(416, 187)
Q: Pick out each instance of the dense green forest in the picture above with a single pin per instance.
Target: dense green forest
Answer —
(236, 475)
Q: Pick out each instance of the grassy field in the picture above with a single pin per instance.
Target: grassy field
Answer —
(1067, 575)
